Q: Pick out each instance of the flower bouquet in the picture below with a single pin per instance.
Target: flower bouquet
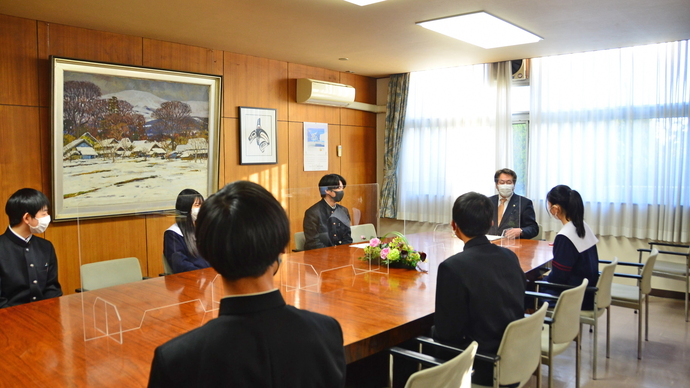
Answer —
(397, 253)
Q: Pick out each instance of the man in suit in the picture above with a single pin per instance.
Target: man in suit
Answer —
(28, 264)
(512, 213)
(257, 340)
(480, 290)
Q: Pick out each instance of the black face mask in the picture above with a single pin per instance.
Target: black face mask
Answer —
(338, 196)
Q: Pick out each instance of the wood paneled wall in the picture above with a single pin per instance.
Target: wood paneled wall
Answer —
(247, 81)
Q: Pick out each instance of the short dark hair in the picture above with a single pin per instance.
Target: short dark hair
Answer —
(25, 201)
(330, 182)
(472, 213)
(505, 171)
(242, 230)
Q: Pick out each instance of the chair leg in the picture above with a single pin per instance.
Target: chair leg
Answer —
(539, 373)
(594, 346)
(577, 360)
(639, 333)
(550, 363)
(646, 317)
(687, 290)
(608, 332)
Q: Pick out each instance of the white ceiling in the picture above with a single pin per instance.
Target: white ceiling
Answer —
(378, 39)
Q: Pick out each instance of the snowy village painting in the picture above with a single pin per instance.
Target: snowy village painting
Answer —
(127, 140)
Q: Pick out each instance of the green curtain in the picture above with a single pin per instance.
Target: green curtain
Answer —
(395, 123)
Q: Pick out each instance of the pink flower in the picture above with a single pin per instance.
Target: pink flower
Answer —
(374, 242)
(362, 237)
(384, 252)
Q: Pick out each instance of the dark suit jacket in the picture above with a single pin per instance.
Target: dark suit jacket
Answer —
(325, 227)
(479, 291)
(28, 271)
(519, 214)
(256, 341)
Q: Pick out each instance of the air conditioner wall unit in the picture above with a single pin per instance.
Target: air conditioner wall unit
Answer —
(311, 91)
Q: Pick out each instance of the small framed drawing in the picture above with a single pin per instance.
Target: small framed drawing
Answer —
(258, 136)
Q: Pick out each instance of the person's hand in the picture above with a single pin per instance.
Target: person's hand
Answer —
(513, 233)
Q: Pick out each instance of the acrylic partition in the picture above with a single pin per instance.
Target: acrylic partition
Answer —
(116, 299)
(324, 270)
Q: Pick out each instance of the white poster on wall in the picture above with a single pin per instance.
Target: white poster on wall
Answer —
(315, 147)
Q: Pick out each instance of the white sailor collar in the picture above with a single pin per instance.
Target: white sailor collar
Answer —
(581, 244)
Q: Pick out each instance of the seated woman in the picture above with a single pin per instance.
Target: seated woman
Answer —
(575, 254)
(179, 243)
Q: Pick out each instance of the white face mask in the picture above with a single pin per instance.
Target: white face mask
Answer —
(506, 190)
(42, 225)
(195, 213)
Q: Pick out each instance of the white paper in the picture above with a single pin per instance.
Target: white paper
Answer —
(315, 147)
(360, 245)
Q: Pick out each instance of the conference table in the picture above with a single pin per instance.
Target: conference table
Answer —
(106, 337)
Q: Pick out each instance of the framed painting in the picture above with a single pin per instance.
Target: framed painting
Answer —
(126, 140)
(258, 136)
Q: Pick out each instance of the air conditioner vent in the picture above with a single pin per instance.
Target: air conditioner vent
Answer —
(310, 91)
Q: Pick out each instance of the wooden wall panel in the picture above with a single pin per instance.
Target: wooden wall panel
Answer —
(180, 57)
(155, 227)
(309, 112)
(365, 92)
(45, 134)
(20, 153)
(65, 239)
(305, 183)
(80, 43)
(359, 154)
(274, 177)
(254, 82)
(18, 66)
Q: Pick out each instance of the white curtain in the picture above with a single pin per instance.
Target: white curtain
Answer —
(455, 138)
(614, 125)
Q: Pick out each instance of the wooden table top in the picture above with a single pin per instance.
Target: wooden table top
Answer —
(55, 342)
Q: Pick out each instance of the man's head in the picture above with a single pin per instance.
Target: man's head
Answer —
(505, 180)
(331, 185)
(29, 202)
(242, 230)
(472, 214)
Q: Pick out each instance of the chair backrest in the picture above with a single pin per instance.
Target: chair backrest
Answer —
(110, 273)
(602, 299)
(299, 241)
(356, 216)
(520, 348)
(566, 314)
(366, 230)
(452, 373)
(646, 281)
(166, 266)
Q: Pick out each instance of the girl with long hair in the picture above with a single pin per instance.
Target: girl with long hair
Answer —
(575, 254)
(179, 243)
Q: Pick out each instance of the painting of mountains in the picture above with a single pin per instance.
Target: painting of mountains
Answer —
(128, 140)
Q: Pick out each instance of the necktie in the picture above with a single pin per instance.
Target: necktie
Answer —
(500, 210)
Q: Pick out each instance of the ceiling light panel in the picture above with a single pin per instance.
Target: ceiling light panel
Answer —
(481, 29)
(364, 2)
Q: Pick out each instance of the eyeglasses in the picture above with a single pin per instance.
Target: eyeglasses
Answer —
(505, 182)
